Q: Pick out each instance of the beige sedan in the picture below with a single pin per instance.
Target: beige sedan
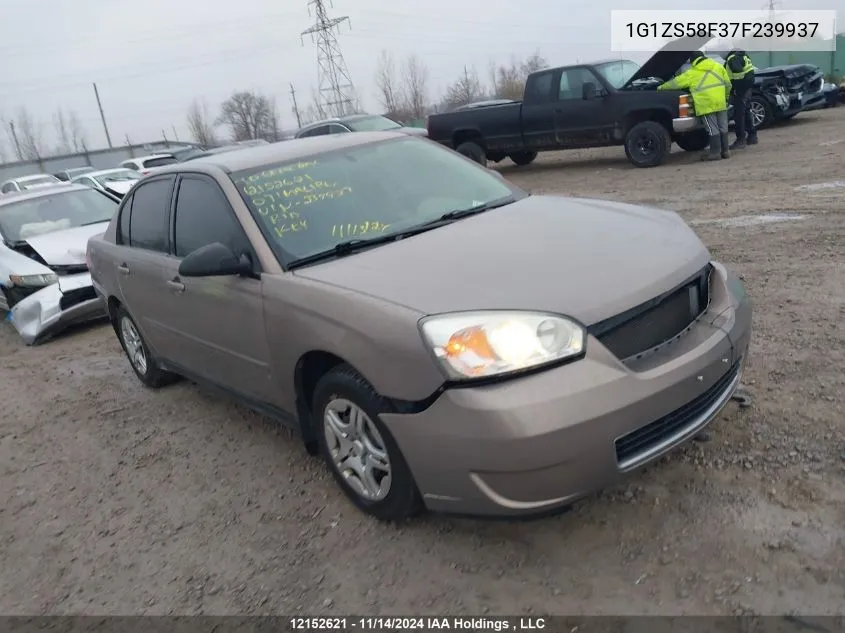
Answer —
(443, 339)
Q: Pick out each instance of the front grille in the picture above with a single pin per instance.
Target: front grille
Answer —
(633, 333)
(77, 296)
(639, 442)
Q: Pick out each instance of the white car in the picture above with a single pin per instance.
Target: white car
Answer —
(117, 181)
(145, 164)
(24, 183)
(44, 279)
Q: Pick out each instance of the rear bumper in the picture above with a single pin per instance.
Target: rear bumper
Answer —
(47, 312)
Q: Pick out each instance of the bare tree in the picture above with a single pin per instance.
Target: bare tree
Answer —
(388, 85)
(314, 111)
(7, 127)
(65, 145)
(534, 63)
(466, 89)
(200, 124)
(415, 87)
(247, 114)
(77, 133)
(29, 136)
(508, 80)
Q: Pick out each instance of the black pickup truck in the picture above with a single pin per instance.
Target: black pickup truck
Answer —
(586, 105)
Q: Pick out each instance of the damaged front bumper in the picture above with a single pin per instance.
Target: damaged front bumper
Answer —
(45, 313)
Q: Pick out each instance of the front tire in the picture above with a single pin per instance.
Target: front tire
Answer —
(138, 353)
(473, 151)
(647, 144)
(523, 158)
(358, 448)
(762, 115)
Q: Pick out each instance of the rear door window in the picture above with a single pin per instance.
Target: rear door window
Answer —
(148, 227)
(204, 216)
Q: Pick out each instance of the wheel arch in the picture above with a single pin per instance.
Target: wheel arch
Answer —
(311, 367)
(658, 115)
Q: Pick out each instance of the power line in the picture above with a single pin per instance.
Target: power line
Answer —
(336, 92)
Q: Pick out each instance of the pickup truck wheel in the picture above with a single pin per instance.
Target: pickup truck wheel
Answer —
(693, 141)
(523, 158)
(647, 144)
(473, 151)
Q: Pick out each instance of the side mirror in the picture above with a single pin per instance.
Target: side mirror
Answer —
(214, 260)
(588, 90)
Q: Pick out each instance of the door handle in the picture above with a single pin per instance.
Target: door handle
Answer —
(176, 285)
(123, 269)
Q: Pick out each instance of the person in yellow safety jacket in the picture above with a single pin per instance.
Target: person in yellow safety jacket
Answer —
(709, 86)
(741, 71)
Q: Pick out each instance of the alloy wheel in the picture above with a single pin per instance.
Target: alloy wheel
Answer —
(758, 113)
(134, 345)
(357, 449)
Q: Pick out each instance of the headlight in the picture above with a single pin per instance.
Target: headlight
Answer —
(490, 343)
(33, 281)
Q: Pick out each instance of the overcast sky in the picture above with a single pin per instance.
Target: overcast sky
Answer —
(150, 58)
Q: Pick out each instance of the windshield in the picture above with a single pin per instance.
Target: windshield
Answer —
(310, 206)
(45, 214)
(118, 176)
(188, 154)
(41, 180)
(161, 161)
(618, 73)
(372, 124)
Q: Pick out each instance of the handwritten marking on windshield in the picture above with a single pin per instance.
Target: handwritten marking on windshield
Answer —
(274, 203)
(279, 171)
(361, 228)
(293, 227)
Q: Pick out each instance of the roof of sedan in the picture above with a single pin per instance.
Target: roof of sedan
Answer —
(283, 151)
(40, 193)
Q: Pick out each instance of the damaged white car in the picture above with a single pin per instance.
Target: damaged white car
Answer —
(44, 281)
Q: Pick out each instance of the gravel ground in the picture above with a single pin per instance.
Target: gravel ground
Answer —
(118, 500)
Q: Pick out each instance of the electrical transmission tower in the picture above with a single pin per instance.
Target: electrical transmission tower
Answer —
(336, 93)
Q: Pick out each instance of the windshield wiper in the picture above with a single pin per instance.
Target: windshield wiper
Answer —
(457, 214)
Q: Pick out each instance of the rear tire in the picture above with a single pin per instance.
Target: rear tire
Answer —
(523, 158)
(138, 353)
(473, 151)
(354, 440)
(693, 141)
(647, 144)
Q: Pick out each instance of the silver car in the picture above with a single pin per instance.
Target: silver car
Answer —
(25, 183)
(115, 181)
(44, 279)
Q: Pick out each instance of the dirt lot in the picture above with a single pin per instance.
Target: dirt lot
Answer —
(118, 500)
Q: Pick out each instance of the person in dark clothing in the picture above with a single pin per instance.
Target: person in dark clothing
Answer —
(741, 71)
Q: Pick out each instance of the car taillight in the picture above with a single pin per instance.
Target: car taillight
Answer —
(684, 106)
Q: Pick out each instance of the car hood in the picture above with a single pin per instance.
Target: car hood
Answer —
(588, 259)
(793, 71)
(666, 62)
(67, 246)
(413, 131)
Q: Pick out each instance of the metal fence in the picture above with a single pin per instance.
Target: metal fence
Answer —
(99, 159)
(832, 63)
